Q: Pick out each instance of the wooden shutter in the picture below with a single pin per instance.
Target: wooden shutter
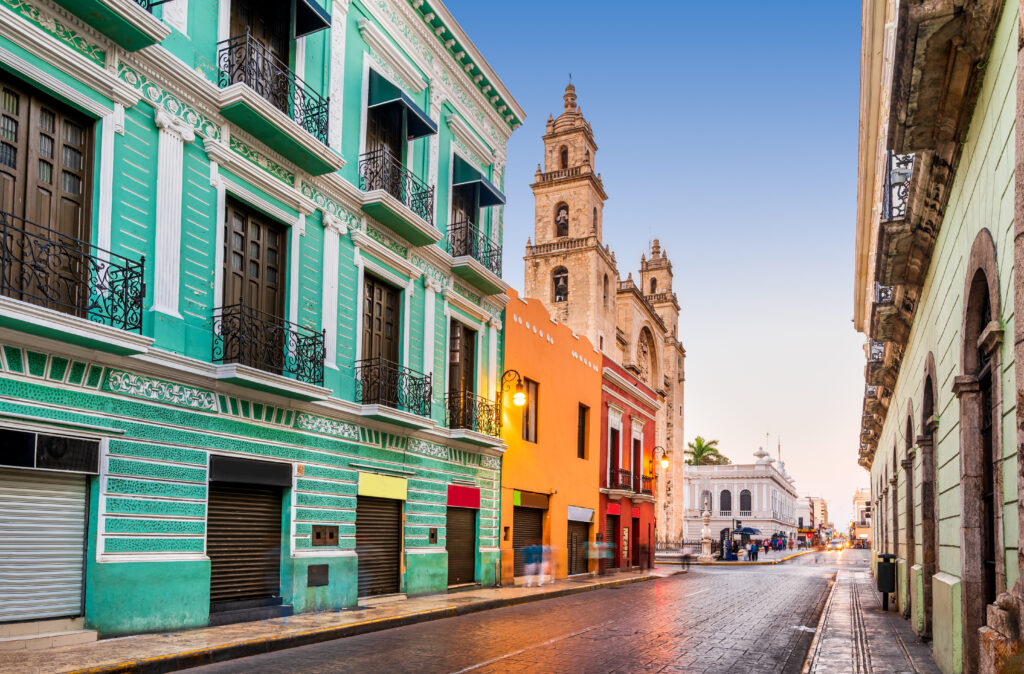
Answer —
(460, 542)
(527, 528)
(461, 359)
(378, 545)
(243, 541)
(384, 130)
(255, 250)
(380, 320)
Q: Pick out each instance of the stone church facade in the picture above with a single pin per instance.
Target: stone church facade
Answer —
(575, 274)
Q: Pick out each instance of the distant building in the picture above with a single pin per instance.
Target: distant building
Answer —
(760, 494)
(861, 529)
(819, 514)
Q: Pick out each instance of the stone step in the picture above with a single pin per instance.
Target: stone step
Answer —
(40, 641)
(41, 626)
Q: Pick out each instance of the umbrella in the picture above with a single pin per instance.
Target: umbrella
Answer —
(750, 531)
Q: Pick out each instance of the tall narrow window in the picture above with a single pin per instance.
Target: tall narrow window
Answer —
(461, 359)
(254, 261)
(564, 157)
(530, 412)
(380, 320)
(745, 502)
(725, 503)
(654, 285)
(581, 432)
(613, 456)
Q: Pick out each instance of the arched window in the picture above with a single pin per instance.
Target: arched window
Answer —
(725, 503)
(560, 284)
(604, 290)
(562, 220)
(929, 511)
(654, 285)
(705, 501)
(745, 503)
(595, 218)
(587, 154)
(564, 155)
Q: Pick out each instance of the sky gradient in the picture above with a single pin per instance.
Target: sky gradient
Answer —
(729, 132)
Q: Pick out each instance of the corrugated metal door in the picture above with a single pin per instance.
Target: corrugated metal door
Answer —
(527, 527)
(577, 546)
(611, 535)
(378, 544)
(243, 541)
(460, 542)
(42, 544)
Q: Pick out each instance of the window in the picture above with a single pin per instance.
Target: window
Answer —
(380, 320)
(745, 501)
(725, 503)
(530, 412)
(604, 290)
(564, 157)
(560, 284)
(562, 220)
(654, 285)
(581, 432)
(613, 456)
(461, 358)
(255, 250)
(800, 523)
(595, 218)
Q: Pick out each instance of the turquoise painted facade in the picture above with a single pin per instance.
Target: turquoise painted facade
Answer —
(167, 131)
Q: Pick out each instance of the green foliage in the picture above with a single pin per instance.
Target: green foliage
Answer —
(703, 452)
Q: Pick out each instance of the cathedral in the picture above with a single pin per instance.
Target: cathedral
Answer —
(575, 274)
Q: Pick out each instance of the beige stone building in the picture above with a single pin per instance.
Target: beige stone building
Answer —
(575, 274)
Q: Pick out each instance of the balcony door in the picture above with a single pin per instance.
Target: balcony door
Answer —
(45, 162)
(267, 24)
(254, 261)
(384, 130)
(380, 320)
(461, 359)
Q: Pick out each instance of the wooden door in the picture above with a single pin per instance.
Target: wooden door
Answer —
(380, 320)
(461, 359)
(254, 261)
(268, 23)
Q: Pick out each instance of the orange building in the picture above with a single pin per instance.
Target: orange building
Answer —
(550, 472)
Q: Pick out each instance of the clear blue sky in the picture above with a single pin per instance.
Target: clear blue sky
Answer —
(729, 131)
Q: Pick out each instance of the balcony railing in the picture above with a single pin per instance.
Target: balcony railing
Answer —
(247, 336)
(381, 170)
(876, 352)
(647, 485)
(379, 381)
(465, 238)
(898, 172)
(245, 59)
(471, 412)
(884, 294)
(148, 5)
(744, 513)
(50, 269)
(725, 513)
(624, 481)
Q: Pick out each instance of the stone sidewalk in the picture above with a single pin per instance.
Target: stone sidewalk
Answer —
(855, 635)
(169, 651)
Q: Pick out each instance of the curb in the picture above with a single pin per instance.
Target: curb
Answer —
(231, 651)
(812, 650)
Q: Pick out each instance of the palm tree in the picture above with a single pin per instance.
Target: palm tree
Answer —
(703, 452)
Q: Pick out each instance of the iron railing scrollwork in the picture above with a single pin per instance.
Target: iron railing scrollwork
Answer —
(647, 485)
(466, 410)
(899, 169)
(148, 5)
(247, 336)
(381, 170)
(876, 352)
(884, 294)
(465, 238)
(245, 59)
(380, 381)
(50, 269)
(624, 479)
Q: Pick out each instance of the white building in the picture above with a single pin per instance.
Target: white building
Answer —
(761, 494)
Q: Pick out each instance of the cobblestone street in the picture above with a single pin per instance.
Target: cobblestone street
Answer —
(755, 618)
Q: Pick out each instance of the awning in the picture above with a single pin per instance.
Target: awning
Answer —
(750, 531)
(310, 17)
(577, 514)
(384, 93)
(464, 173)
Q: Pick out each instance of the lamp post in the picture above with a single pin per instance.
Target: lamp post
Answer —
(511, 380)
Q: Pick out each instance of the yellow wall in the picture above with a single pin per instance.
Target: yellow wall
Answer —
(568, 372)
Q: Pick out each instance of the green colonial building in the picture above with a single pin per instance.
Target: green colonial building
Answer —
(936, 289)
(250, 303)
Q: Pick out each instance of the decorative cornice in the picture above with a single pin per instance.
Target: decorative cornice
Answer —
(461, 303)
(389, 53)
(173, 125)
(363, 241)
(467, 136)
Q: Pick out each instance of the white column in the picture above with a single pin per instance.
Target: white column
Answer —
(405, 325)
(431, 288)
(333, 230)
(174, 133)
(217, 183)
(435, 113)
(492, 354)
(337, 83)
(358, 261)
(294, 262)
(109, 125)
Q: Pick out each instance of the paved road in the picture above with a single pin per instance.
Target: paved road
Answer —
(713, 619)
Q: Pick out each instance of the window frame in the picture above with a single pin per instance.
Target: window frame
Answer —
(530, 411)
(582, 431)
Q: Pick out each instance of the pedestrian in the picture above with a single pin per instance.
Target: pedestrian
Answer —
(532, 558)
(687, 553)
(753, 550)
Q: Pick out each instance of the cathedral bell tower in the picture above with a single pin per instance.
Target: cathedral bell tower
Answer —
(567, 266)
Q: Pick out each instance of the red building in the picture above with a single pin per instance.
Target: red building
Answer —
(628, 409)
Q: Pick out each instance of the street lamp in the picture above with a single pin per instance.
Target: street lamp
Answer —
(507, 379)
(664, 456)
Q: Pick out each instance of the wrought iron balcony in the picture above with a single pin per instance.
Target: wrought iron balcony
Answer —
(646, 485)
(382, 382)
(44, 267)
(381, 170)
(465, 238)
(247, 336)
(898, 171)
(245, 59)
(466, 410)
(148, 5)
(625, 479)
(876, 352)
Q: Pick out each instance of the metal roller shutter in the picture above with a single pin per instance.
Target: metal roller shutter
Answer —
(460, 542)
(611, 535)
(577, 546)
(527, 527)
(378, 544)
(42, 544)
(243, 541)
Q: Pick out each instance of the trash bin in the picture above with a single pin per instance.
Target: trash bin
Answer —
(885, 575)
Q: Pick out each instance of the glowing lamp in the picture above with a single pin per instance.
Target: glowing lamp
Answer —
(664, 462)
(519, 397)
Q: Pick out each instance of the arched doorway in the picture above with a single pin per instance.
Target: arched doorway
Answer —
(929, 493)
(982, 573)
(908, 508)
